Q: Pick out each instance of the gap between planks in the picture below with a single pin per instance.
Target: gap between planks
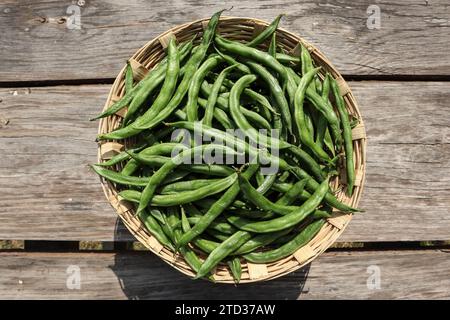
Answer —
(347, 77)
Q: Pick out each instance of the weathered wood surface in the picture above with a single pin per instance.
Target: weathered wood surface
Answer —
(419, 274)
(48, 192)
(36, 43)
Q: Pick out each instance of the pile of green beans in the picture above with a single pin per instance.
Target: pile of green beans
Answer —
(210, 212)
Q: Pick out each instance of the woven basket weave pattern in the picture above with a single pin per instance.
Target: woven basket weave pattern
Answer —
(237, 29)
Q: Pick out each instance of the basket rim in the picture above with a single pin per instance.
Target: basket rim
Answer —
(321, 242)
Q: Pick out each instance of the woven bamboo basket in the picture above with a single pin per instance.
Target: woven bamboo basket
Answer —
(238, 29)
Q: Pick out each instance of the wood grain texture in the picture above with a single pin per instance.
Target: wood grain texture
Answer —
(336, 275)
(48, 143)
(36, 43)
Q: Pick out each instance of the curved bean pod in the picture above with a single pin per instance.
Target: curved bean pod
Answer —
(271, 28)
(222, 251)
(289, 248)
(347, 133)
(286, 221)
(303, 133)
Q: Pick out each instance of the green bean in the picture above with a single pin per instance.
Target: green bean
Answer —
(266, 183)
(260, 240)
(285, 58)
(277, 121)
(231, 61)
(289, 248)
(255, 96)
(217, 208)
(259, 177)
(276, 91)
(120, 178)
(207, 118)
(181, 197)
(347, 133)
(307, 65)
(259, 56)
(284, 176)
(151, 119)
(322, 124)
(156, 213)
(253, 214)
(271, 28)
(315, 85)
(169, 75)
(273, 46)
(292, 218)
(207, 203)
(219, 235)
(282, 187)
(222, 103)
(197, 80)
(205, 245)
(160, 149)
(260, 201)
(169, 226)
(222, 251)
(308, 162)
(319, 103)
(167, 89)
(309, 121)
(235, 268)
(217, 225)
(323, 134)
(175, 176)
(144, 84)
(195, 194)
(186, 185)
(128, 77)
(118, 158)
(290, 196)
(327, 137)
(240, 120)
(220, 115)
(154, 228)
(303, 133)
(192, 210)
(255, 118)
(130, 167)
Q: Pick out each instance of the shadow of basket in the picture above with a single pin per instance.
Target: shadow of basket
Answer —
(143, 275)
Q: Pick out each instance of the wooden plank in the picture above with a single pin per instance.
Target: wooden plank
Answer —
(48, 143)
(406, 192)
(337, 275)
(36, 43)
(44, 175)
